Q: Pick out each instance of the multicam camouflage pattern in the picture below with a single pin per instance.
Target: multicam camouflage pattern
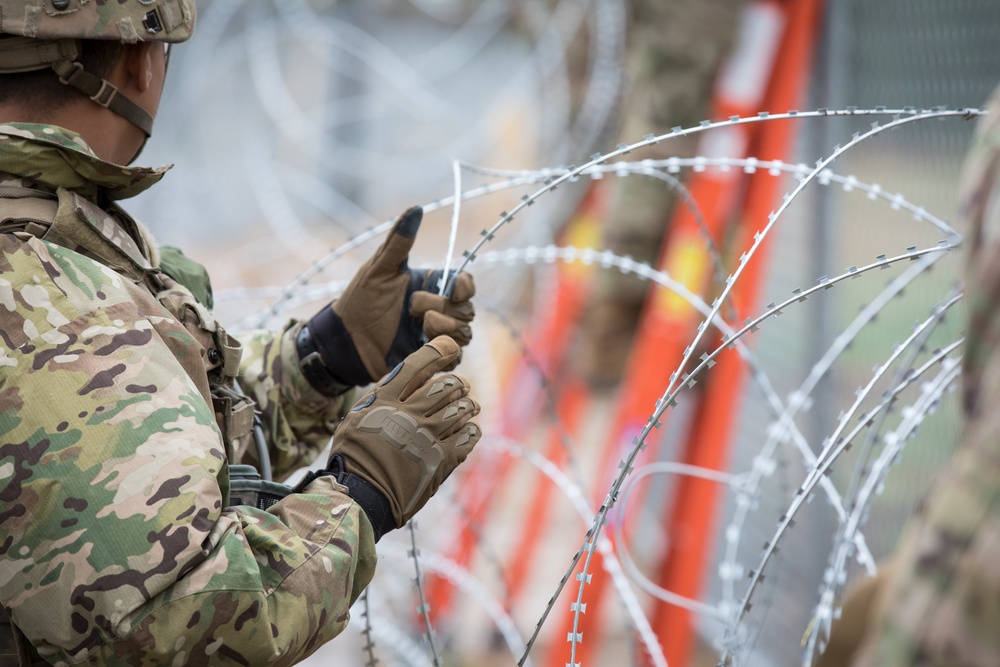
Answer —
(28, 153)
(122, 20)
(300, 420)
(942, 602)
(116, 544)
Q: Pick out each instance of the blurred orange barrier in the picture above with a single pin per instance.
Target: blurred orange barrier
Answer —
(683, 567)
(572, 401)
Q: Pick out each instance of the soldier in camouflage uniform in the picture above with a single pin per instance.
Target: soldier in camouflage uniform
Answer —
(121, 410)
(677, 47)
(939, 602)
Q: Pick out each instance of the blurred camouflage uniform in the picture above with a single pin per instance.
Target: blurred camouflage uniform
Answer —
(117, 424)
(677, 48)
(940, 603)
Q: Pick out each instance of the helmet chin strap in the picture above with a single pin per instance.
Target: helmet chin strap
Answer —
(103, 92)
(21, 54)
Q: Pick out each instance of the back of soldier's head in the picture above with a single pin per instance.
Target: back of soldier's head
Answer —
(54, 50)
(41, 88)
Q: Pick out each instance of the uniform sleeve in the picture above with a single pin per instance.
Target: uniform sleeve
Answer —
(115, 545)
(299, 421)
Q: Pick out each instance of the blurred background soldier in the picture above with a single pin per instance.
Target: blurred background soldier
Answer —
(676, 49)
(129, 533)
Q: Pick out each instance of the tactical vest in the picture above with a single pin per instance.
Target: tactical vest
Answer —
(114, 239)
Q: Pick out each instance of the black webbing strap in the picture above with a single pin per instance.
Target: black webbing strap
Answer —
(22, 54)
(100, 90)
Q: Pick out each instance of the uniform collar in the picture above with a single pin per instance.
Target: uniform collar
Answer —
(60, 158)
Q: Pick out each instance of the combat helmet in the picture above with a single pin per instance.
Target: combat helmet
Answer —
(40, 34)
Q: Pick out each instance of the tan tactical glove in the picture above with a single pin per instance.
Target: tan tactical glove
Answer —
(387, 312)
(405, 436)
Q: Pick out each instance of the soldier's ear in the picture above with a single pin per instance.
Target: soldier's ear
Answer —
(138, 61)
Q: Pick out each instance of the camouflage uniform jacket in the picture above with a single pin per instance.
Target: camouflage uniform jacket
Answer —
(116, 542)
(941, 603)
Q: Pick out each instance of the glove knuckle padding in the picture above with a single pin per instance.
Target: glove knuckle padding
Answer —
(440, 354)
(411, 430)
(417, 444)
(441, 391)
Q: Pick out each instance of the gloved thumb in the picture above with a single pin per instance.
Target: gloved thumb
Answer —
(440, 354)
(392, 255)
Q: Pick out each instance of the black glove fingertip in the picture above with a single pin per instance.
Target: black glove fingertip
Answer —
(409, 222)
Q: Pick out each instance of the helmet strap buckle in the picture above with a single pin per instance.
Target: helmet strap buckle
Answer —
(106, 94)
(67, 75)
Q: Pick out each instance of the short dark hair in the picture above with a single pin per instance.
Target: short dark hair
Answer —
(42, 90)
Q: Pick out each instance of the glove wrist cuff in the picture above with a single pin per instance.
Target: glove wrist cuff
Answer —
(336, 349)
(314, 367)
(375, 505)
(371, 501)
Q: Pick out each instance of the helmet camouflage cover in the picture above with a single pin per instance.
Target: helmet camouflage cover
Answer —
(42, 34)
(127, 21)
